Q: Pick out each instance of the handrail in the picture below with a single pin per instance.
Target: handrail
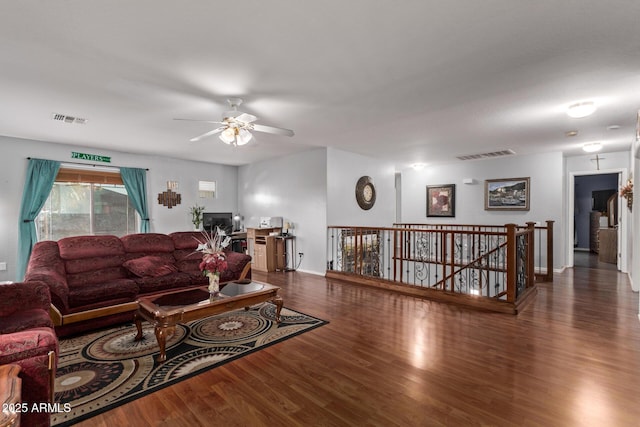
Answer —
(492, 262)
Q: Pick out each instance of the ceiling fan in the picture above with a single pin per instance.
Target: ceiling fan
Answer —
(237, 126)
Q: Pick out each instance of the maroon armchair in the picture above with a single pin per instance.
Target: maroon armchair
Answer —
(27, 339)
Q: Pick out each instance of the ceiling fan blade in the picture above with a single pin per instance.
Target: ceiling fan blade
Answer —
(271, 129)
(203, 121)
(246, 118)
(211, 132)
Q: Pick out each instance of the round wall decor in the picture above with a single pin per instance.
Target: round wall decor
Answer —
(365, 192)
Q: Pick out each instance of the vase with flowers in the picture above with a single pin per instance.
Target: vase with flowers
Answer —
(214, 260)
(626, 191)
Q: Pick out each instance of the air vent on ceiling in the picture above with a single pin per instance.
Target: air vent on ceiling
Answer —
(68, 119)
(487, 155)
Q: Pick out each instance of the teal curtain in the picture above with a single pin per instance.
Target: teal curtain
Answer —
(41, 175)
(135, 181)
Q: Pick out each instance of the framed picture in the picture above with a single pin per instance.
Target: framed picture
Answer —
(441, 200)
(508, 194)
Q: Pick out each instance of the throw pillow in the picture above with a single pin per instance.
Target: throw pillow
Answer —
(149, 266)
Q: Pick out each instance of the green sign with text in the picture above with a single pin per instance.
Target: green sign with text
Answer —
(92, 157)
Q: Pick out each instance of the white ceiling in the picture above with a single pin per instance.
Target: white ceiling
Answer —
(411, 81)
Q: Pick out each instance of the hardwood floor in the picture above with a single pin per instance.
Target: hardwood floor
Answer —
(571, 358)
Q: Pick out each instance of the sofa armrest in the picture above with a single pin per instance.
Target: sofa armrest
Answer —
(45, 265)
(57, 284)
(21, 296)
(238, 264)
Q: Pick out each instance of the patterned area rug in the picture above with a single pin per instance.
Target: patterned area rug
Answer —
(102, 370)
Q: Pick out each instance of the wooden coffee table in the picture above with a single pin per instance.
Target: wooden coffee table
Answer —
(167, 309)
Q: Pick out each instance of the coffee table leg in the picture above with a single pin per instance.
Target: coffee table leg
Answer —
(138, 320)
(161, 336)
(277, 300)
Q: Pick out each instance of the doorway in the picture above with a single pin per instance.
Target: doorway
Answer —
(596, 220)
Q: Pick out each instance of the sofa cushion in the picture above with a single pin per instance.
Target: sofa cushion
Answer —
(89, 247)
(82, 265)
(188, 239)
(94, 277)
(147, 243)
(148, 285)
(119, 289)
(26, 344)
(150, 266)
(187, 254)
(25, 319)
(191, 266)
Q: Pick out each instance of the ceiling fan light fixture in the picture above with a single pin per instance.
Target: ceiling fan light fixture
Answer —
(592, 147)
(581, 109)
(228, 135)
(243, 137)
(235, 136)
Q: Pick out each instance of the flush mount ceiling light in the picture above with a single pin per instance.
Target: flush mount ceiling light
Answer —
(418, 166)
(592, 147)
(581, 109)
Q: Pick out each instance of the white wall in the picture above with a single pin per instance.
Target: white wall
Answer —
(634, 246)
(13, 165)
(293, 187)
(546, 199)
(343, 171)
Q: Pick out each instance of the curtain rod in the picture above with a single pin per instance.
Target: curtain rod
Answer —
(90, 164)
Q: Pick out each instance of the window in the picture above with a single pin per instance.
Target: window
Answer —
(86, 202)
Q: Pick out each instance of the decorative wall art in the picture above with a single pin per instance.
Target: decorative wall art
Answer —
(441, 200)
(169, 199)
(507, 194)
(365, 193)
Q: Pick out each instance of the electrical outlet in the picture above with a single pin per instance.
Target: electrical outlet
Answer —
(3, 266)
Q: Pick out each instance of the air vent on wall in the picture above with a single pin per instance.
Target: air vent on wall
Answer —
(68, 119)
(487, 155)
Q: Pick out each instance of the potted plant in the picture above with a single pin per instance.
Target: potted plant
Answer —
(196, 216)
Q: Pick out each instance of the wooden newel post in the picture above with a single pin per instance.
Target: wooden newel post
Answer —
(549, 251)
(511, 262)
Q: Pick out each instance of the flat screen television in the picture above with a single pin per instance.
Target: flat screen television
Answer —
(211, 220)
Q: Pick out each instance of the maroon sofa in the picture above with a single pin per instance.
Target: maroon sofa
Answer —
(28, 340)
(96, 280)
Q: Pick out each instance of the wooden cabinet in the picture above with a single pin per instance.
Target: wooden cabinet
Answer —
(594, 226)
(262, 248)
(608, 241)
